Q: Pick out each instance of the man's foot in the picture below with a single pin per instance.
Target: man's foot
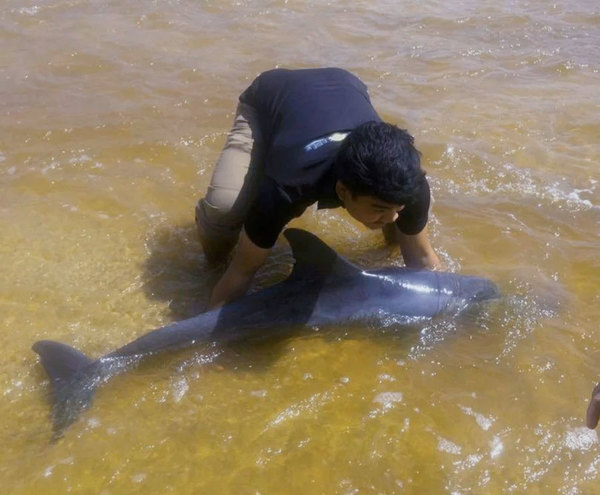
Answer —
(216, 252)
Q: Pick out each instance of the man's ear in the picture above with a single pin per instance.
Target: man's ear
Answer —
(342, 191)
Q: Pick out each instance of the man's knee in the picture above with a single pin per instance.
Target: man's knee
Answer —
(221, 213)
(217, 230)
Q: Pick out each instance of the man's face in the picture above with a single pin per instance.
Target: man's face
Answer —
(372, 212)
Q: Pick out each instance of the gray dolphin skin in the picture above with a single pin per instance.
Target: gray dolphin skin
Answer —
(322, 289)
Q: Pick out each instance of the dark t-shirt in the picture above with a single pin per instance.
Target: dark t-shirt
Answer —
(303, 117)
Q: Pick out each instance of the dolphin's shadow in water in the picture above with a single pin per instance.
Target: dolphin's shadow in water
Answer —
(177, 272)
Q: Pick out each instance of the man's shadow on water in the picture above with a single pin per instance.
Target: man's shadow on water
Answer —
(176, 272)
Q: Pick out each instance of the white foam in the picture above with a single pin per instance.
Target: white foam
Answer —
(580, 438)
(80, 159)
(496, 447)
(386, 402)
(29, 10)
(469, 462)
(313, 402)
(484, 422)
(388, 399)
(93, 423)
(445, 445)
(138, 478)
(510, 179)
(179, 387)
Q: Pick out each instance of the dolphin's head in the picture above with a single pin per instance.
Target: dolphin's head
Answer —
(475, 289)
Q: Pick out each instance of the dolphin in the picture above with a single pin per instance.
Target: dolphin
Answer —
(322, 289)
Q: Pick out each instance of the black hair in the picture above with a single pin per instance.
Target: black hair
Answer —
(380, 159)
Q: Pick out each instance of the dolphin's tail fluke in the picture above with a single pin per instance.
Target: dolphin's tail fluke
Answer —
(72, 378)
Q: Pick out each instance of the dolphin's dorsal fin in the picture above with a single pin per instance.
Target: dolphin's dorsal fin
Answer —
(314, 257)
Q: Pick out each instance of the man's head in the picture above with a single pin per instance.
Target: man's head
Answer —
(379, 172)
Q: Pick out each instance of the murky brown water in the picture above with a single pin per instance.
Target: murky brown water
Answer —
(111, 116)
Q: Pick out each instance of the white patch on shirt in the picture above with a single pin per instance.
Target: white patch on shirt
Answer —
(336, 137)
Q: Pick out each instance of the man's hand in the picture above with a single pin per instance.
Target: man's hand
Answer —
(416, 249)
(247, 259)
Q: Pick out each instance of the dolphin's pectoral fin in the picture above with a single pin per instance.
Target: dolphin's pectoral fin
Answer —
(72, 388)
(313, 256)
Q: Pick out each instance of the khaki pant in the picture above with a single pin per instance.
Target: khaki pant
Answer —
(220, 214)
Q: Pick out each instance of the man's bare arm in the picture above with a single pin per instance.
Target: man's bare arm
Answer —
(247, 259)
(416, 249)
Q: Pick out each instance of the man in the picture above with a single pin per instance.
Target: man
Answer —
(593, 410)
(306, 136)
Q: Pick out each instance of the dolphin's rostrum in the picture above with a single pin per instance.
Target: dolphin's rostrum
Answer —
(322, 289)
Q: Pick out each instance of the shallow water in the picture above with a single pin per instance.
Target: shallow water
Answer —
(111, 116)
